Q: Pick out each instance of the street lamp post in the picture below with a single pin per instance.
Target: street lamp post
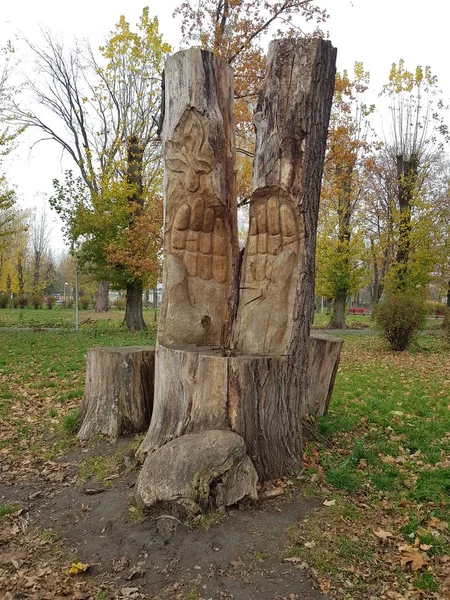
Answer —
(65, 290)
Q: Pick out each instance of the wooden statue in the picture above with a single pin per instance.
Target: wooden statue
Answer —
(233, 339)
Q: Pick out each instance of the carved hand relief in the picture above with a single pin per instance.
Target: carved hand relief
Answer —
(197, 240)
(274, 243)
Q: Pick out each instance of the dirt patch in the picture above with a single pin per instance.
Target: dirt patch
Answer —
(237, 554)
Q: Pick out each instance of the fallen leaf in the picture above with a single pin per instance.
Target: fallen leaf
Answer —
(325, 585)
(78, 568)
(425, 547)
(310, 544)
(383, 535)
(329, 503)
(416, 559)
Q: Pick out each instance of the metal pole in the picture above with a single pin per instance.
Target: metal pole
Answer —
(76, 293)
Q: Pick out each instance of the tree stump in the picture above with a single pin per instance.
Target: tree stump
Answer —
(233, 346)
(207, 470)
(118, 393)
(324, 355)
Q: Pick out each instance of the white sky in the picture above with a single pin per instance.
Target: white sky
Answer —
(377, 33)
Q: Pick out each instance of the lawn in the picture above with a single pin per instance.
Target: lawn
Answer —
(382, 459)
(378, 464)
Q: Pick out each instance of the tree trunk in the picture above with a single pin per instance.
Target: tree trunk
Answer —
(134, 318)
(200, 236)
(118, 393)
(266, 310)
(102, 297)
(338, 315)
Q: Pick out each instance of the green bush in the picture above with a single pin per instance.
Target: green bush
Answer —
(84, 302)
(400, 317)
(50, 302)
(36, 301)
(4, 300)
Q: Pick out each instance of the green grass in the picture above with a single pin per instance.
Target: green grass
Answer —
(42, 379)
(7, 509)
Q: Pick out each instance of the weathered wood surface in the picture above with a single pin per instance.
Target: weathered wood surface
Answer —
(199, 390)
(323, 363)
(198, 471)
(118, 393)
(257, 382)
(200, 226)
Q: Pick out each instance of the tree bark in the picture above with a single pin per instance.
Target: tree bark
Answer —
(253, 378)
(118, 393)
(134, 318)
(338, 315)
(324, 356)
(102, 297)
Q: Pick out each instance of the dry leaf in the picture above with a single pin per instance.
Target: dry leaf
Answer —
(416, 559)
(329, 503)
(425, 547)
(383, 535)
(310, 544)
(325, 585)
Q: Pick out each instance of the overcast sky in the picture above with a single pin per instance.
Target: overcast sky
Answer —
(376, 32)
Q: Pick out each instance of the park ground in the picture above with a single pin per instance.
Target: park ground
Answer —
(367, 518)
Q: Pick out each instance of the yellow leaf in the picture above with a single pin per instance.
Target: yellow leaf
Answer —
(78, 568)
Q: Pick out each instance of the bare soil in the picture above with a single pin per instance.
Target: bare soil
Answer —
(132, 555)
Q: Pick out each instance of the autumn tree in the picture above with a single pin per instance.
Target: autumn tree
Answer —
(341, 249)
(107, 108)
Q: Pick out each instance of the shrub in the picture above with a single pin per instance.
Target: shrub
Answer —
(120, 303)
(22, 301)
(84, 302)
(4, 300)
(37, 301)
(400, 317)
(50, 302)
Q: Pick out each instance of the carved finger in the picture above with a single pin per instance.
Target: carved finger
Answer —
(190, 261)
(198, 210)
(219, 238)
(204, 266)
(208, 220)
(261, 217)
(253, 244)
(192, 241)
(262, 243)
(275, 244)
(205, 242)
(260, 267)
(288, 226)
(220, 268)
(182, 217)
(253, 226)
(178, 239)
(273, 216)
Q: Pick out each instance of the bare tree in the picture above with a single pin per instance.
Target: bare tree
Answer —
(40, 231)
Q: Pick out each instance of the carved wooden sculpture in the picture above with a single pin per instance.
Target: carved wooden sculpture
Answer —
(233, 339)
